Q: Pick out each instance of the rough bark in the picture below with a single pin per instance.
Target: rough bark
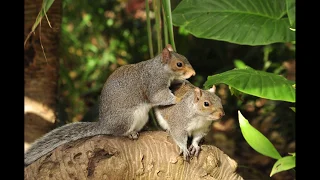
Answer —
(153, 156)
(40, 74)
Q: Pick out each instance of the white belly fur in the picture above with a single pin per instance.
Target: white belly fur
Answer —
(140, 117)
(162, 122)
(197, 125)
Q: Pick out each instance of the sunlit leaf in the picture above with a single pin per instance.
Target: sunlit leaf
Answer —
(283, 164)
(250, 22)
(257, 83)
(256, 139)
(239, 64)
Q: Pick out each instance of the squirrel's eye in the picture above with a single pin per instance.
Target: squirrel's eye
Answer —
(206, 103)
(179, 64)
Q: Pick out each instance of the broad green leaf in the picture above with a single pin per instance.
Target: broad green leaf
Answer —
(250, 22)
(291, 11)
(257, 83)
(256, 139)
(236, 93)
(283, 164)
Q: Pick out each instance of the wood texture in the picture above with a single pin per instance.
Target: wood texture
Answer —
(153, 156)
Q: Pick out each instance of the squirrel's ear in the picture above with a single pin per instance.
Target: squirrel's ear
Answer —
(197, 94)
(169, 47)
(166, 55)
(213, 89)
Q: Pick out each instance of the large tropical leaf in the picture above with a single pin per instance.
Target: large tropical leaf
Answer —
(291, 11)
(258, 83)
(250, 22)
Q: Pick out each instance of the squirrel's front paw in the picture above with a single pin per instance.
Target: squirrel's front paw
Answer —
(194, 150)
(186, 154)
(133, 135)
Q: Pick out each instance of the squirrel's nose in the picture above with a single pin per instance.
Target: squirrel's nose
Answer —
(221, 113)
(193, 72)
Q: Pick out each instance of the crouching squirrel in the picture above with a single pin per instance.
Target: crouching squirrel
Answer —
(126, 98)
(192, 116)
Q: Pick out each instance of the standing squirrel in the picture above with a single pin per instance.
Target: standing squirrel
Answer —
(132, 90)
(192, 116)
(126, 98)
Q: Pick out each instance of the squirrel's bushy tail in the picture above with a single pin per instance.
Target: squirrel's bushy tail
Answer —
(57, 137)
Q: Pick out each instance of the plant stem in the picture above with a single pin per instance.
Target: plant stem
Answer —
(165, 28)
(168, 16)
(156, 7)
(149, 30)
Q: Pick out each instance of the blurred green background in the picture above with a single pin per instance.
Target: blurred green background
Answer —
(100, 35)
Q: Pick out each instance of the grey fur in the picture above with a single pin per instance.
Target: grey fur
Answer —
(126, 98)
(134, 87)
(187, 119)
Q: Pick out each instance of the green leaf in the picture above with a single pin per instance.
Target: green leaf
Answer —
(257, 83)
(291, 11)
(283, 164)
(236, 93)
(256, 139)
(46, 4)
(239, 64)
(293, 109)
(250, 22)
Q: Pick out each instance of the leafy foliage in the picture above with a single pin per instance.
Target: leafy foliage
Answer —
(283, 164)
(97, 37)
(291, 11)
(257, 83)
(46, 4)
(251, 22)
(257, 140)
(262, 145)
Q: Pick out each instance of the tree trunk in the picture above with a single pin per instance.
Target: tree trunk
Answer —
(40, 74)
(153, 156)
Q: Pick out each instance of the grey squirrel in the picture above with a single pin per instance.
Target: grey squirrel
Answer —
(192, 116)
(126, 98)
(133, 90)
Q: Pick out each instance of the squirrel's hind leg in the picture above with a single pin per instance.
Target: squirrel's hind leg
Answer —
(139, 118)
(133, 135)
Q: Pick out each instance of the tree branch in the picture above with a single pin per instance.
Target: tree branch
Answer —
(153, 156)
